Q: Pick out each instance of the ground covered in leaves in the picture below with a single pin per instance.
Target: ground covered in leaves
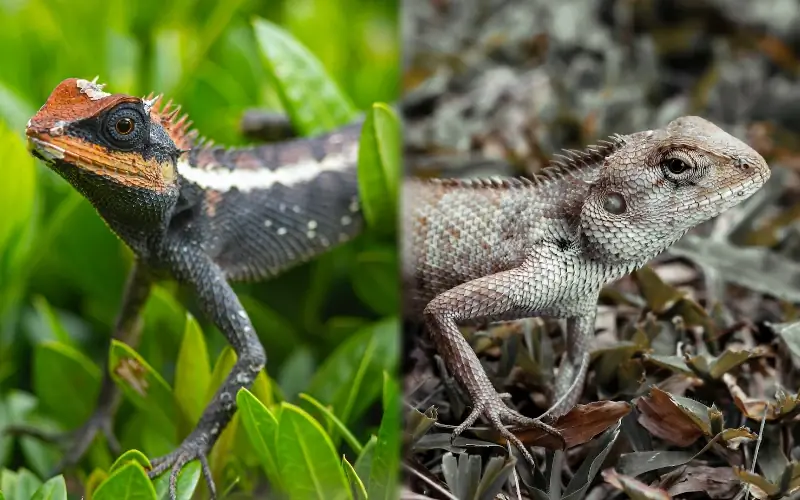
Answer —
(693, 386)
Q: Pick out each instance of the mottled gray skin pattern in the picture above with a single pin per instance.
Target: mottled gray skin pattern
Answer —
(509, 249)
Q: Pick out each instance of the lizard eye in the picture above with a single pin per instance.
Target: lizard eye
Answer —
(124, 127)
(675, 167)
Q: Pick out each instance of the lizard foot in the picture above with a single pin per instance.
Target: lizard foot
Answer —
(493, 408)
(192, 448)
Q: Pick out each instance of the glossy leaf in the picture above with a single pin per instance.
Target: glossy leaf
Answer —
(307, 460)
(130, 456)
(386, 460)
(310, 97)
(261, 426)
(350, 378)
(380, 167)
(142, 385)
(53, 489)
(356, 485)
(192, 371)
(128, 483)
(66, 382)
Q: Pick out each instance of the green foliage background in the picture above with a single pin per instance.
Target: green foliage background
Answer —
(62, 272)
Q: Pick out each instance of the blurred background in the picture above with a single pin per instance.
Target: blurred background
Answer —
(62, 271)
(500, 86)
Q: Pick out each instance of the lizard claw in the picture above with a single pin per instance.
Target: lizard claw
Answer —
(493, 408)
(190, 449)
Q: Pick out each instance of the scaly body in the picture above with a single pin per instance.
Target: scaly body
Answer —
(200, 214)
(510, 249)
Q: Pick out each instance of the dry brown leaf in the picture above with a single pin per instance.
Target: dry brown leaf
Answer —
(634, 488)
(716, 482)
(783, 406)
(579, 426)
(662, 417)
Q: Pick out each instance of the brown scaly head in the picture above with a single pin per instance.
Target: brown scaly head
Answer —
(118, 137)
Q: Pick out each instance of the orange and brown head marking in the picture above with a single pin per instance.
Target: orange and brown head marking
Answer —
(120, 137)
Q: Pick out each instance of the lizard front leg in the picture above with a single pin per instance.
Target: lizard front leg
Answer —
(506, 294)
(220, 304)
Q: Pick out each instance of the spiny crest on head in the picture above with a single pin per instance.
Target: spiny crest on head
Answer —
(573, 162)
(177, 126)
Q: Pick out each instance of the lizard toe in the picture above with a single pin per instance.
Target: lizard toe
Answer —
(175, 461)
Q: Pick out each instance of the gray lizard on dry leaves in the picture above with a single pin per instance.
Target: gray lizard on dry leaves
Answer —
(505, 249)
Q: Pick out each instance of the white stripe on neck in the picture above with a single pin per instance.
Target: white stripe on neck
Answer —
(224, 179)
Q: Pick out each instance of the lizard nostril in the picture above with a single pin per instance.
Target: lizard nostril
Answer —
(741, 163)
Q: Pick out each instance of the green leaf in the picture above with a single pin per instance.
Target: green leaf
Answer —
(130, 456)
(307, 459)
(386, 461)
(356, 485)
(20, 485)
(350, 379)
(376, 281)
(128, 483)
(143, 386)
(66, 382)
(310, 97)
(188, 478)
(17, 201)
(363, 463)
(192, 371)
(380, 167)
(351, 440)
(54, 489)
(261, 426)
(591, 465)
(51, 319)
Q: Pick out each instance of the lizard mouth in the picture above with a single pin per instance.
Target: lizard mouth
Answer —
(126, 168)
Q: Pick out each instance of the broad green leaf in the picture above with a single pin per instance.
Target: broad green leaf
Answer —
(376, 282)
(2, 497)
(356, 485)
(17, 202)
(350, 379)
(363, 463)
(192, 371)
(386, 460)
(66, 382)
(130, 456)
(143, 386)
(54, 489)
(51, 320)
(261, 426)
(380, 167)
(19, 485)
(188, 478)
(310, 97)
(307, 460)
(14, 109)
(351, 440)
(128, 483)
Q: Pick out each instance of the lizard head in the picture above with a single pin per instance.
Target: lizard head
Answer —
(658, 184)
(86, 134)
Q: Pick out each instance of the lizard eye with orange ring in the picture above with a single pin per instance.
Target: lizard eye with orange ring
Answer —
(124, 127)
